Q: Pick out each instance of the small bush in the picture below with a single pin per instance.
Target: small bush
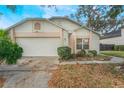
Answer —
(64, 52)
(121, 47)
(92, 53)
(73, 55)
(116, 48)
(9, 51)
(81, 53)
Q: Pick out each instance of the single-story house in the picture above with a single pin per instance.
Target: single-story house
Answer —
(42, 37)
(114, 37)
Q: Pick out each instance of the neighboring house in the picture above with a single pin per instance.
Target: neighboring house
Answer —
(42, 37)
(114, 37)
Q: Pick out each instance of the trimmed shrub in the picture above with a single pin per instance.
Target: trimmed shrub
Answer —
(81, 53)
(121, 47)
(92, 52)
(9, 51)
(116, 48)
(64, 52)
(73, 55)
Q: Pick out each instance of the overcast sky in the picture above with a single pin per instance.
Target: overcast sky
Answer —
(27, 11)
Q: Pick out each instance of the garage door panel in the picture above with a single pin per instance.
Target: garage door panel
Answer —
(39, 46)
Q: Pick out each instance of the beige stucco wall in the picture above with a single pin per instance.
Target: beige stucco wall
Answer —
(12, 35)
(94, 42)
(70, 26)
(48, 27)
(115, 40)
(49, 30)
(83, 33)
(42, 43)
(37, 34)
(25, 27)
(26, 30)
(65, 38)
(28, 26)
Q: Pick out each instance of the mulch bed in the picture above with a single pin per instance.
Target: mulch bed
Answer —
(86, 58)
(97, 58)
(86, 76)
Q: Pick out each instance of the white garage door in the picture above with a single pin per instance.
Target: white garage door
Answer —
(39, 46)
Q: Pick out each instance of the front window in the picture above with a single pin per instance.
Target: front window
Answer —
(79, 43)
(82, 43)
(85, 43)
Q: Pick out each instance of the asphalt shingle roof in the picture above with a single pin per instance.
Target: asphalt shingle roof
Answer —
(112, 34)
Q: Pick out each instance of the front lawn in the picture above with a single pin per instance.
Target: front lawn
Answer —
(86, 76)
(114, 53)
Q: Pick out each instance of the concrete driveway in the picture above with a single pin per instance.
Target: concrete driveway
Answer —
(29, 72)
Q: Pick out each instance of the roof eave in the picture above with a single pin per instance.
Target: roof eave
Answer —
(88, 30)
(22, 21)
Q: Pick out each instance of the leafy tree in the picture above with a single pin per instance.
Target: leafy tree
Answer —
(115, 10)
(100, 18)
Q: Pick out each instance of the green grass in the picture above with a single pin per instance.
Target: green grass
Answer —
(113, 53)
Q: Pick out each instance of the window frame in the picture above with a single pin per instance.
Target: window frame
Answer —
(78, 46)
(37, 28)
(87, 43)
(82, 43)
